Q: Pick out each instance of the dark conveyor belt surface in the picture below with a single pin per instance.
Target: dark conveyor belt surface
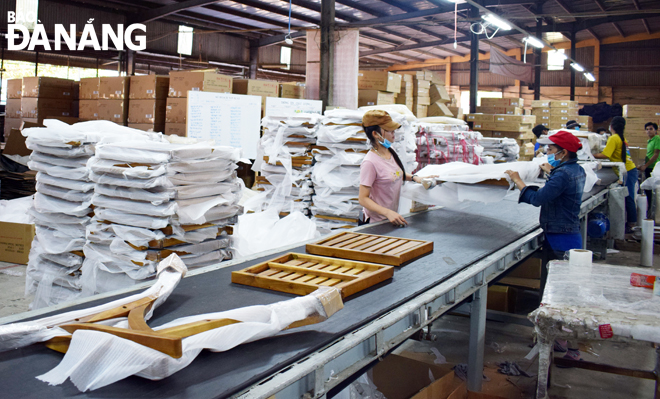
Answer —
(461, 237)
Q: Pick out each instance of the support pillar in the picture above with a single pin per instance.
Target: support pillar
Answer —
(573, 56)
(254, 59)
(36, 63)
(130, 63)
(474, 63)
(477, 339)
(327, 51)
(448, 73)
(538, 54)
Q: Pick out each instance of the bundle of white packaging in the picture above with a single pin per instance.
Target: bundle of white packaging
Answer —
(499, 150)
(450, 141)
(62, 205)
(152, 199)
(284, 160)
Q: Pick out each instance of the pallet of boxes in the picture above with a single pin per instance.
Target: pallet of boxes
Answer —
(44, 98)
(105, 99)
(181, 82)
(554, 114)
(378, 88)
(147, 102)
(636, 117)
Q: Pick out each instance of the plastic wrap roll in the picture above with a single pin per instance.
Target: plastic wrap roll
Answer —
(580, 257)
(641, 208)
(648, 228)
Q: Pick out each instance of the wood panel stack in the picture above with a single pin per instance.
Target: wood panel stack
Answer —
(89, 99)
(113, 99)
(43, 98)
(555, 113)
(636, 117)
(147, 102)
(378, 88)
(181, 82)
(13, 106)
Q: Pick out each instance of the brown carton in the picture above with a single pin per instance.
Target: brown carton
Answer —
(641, 111)
(253, 87)
(502, 102)
(563, 104)
(502, 298)
(457, 112)
(434, 77)
(419, 100)
(88, 110)
(89, 88)
(47, 88)
(421, 84)
(147, 111)
(541, 104)
(480, 118)
(399, 377)
(406, 78)
(564, 112)
(421, 111)
(438, 93)
(114, 88)
(175, 110)
(148, 127)
(374, 97)
(292, 90)
(11, 123)
(36, 107)
(14, 88)
(181, 82)
(178, 129)
(439, 109)
(500, 110)
(113, 110)
(13, 108)
(15, 242)
(519, 119)
(560, 119)
(379, 80)
(149, 87)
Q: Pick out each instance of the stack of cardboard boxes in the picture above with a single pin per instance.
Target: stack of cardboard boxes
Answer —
(555, 114)
(406, 96)
(253, 87)
(292, 90)
(440, 99)
(113, 99)
(43, 98)
(421, 91)
(181, 82)
(636, 117)
(89, 99)
(505, 106)
(147, 101)
(13, 107)
(378, 88)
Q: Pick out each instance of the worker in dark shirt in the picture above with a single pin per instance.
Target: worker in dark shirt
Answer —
(539, 130)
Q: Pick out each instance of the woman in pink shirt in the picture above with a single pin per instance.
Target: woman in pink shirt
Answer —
(382, 173)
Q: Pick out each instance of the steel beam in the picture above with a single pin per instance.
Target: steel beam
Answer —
(573, 56)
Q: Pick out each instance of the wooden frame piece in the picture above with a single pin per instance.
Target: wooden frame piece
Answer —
(387, 250)
(302, 274)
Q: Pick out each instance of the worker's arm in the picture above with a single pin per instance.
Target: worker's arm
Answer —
(412, 177)
(651, 161)
(372, 206)
(539, 196)
(608, 151)
(601, 156)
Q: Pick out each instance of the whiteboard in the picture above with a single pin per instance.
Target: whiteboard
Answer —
(276, 106)
(229, 119)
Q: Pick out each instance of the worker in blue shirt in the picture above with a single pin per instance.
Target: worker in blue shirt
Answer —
(538, 131)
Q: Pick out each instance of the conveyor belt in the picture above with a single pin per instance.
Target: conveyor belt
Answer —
(461, 238)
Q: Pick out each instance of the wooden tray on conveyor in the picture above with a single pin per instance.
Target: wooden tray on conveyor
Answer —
(302, 274)
(371, 248)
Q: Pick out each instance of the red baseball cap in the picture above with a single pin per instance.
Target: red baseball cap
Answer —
(563, 139)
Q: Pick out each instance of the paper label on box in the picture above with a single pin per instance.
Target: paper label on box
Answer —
(605, 331)
(66, 93)
(169, 107)
(194, 88)
(95, 92)
(149, 91)
(117, 116)
(95, 114)
(148, 116)
(117, 92)
(65, 114)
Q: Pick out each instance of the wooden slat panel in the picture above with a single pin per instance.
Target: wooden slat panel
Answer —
(394, 245)
(361, 242)
(383, 244)
(404, 247)
(370, 244)
(342, 237)
(346, 243)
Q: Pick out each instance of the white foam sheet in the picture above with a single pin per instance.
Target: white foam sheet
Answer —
(57, 242)
(65, 194)
(18, 335)
(135, 235)
(157, 152)
(135, 207)
(99, 166)
(80, 173)
(129, 219)
(16, 210)
(47, 204)
(65, 152)
(155, 196)
(77, 185)
(59, 161)
(96, 359)
(119, 180)
(56, 218)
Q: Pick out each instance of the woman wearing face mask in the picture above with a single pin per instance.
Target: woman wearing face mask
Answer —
(381, 172)
(616, 150)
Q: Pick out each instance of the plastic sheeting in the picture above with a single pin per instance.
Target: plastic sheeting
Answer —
(16, 210)
(443, 143)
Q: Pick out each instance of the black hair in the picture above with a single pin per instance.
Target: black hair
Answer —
(655, 125)
(571, 155)
(601, 129)
(618, 125)
(369, 131)
(571, 124)
(538, 130)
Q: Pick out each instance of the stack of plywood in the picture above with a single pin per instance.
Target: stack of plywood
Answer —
(146, 108)
(636, 117)
(554, 113)
(378, 88)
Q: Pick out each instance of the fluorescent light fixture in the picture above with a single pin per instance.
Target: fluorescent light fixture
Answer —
(532, 41)
(29, 12)
(285, 57)
(500, 23)
(589, 76)
(577, 67)
(185, 40)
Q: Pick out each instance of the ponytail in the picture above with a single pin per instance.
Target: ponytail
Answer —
(618, 125)
(369, 131)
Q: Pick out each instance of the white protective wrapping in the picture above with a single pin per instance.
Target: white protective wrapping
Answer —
(16, 210)
(95, 359)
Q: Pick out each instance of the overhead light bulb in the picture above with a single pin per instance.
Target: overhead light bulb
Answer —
(532, 41)
(500, 23)
(577, 67)
(287, 39)
(589, 76)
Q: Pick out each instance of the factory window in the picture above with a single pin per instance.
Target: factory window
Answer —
(185, 40)
(27, 13)
(556, 60)
(285, 57)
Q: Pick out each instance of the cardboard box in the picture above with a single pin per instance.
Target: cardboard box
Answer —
(530, 268)
(641, 111)
(114, 88)
(439, 94)
(560, 119)
(420, 111)
(176, 110)
(38, 107)
(177, 129)
(89, 88)
(147, 111)
(502, 102)
(11, 123)
(480, 117)
(374, 97)
(518, 119)
(407, 78)
(379, 80)
(15, 242)
(421, 84)
(44, 87)
(434, 77)
(253, 87)
(500, 110)
(14, 88)
(15, 144)
(457, 112)
(439, 109)
(505, 126)
(415, 74)
(292, 90)
(148, 127)
(38, 122)
(421, 101)
(563, 104)
(502, 298)
(147, 87)
(113, 110)
(399, 377)
(527, 149)
(181, 82)
(541, 104)
(13, 108)
(88, 110)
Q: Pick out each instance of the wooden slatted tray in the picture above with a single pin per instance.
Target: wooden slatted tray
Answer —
(302, 274)
(371, 248)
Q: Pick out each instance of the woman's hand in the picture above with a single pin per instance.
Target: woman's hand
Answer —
(641, 168)
(546, 167)
(396, 219)
(513, 175)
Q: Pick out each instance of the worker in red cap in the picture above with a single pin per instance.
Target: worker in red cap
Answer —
(560, 200)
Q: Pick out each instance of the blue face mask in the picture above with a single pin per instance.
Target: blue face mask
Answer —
(552, 161)
(386, 143)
